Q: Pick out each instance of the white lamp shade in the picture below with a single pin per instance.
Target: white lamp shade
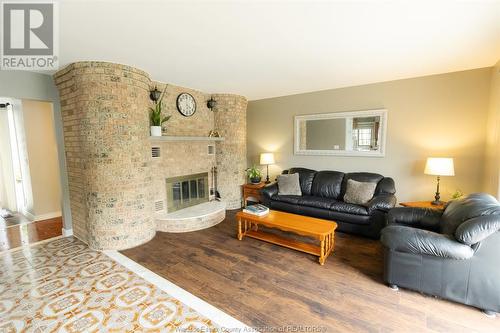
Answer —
(266, 158)
(439, 166)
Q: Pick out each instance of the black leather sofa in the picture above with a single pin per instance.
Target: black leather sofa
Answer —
(453, 254)
(322, 197)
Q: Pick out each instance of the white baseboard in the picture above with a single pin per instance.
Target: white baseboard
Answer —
(47, 216)
(67, 232)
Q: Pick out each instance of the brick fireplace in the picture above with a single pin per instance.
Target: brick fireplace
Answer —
(114, 180)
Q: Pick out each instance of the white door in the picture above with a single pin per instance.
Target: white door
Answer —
(7, 178)
(12, 191)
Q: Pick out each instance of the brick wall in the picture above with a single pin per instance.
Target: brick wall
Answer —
(105, 131)
(199, 124)
(230, 120)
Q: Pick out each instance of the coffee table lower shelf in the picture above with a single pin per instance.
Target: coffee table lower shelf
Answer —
(285, 242)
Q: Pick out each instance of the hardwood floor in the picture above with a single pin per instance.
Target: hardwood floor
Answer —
(27, 233)
(270, 287)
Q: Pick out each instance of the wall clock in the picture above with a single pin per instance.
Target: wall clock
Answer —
(186, 104)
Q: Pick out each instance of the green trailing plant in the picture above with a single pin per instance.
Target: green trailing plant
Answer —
(155, 116)
(254, 172)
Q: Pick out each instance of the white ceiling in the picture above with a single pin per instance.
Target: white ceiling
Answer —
(263, 49)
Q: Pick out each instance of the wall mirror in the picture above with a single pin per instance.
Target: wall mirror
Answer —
(355, 133)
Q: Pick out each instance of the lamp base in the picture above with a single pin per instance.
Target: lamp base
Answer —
(436, 201)
(267, 176)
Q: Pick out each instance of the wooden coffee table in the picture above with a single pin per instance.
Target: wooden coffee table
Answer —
(322, 230)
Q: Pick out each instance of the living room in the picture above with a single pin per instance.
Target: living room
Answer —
(263, 166)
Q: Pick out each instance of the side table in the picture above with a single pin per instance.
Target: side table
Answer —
(252, 190)
(422, 204)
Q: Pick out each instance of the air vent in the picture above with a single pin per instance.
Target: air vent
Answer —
(159, 206)
(211, 149)
(155, 152)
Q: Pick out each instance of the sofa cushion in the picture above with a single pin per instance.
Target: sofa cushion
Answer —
(359, 193)
(292, 199)
(289, 184)
(460, 210)
(327, 184)
(349, 218)
(348, 208)
(286, 207)
(306, 177)
(364, 177)
(318, 202)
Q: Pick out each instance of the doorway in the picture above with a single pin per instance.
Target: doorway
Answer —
(30, 189)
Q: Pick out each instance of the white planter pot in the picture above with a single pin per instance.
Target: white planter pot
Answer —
(155, 130)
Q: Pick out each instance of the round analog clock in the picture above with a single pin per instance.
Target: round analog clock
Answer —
(186, 104)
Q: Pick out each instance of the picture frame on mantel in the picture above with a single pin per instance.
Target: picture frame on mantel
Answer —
(351, 133)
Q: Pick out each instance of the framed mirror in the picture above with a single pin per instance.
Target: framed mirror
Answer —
(354, 133)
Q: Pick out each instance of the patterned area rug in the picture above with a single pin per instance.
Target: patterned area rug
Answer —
(63, 286)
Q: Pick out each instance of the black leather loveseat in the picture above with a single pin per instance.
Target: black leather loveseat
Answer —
(453, 254)
(322, 197)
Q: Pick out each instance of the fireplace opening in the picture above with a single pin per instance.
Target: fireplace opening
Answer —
(186, 191)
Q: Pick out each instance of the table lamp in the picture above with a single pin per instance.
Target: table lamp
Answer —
(266, 159)
(439, 166)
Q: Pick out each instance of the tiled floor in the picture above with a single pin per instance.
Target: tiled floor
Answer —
(63, 286)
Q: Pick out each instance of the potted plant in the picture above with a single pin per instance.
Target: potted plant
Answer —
(457, 195)
(155, 116)
(254, 174)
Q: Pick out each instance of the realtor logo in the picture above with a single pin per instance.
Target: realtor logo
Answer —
(29, 36)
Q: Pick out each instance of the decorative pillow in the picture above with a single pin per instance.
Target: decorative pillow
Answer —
(359, 193)
(289, 184)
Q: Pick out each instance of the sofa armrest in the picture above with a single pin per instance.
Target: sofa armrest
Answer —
(477, 229)
(411, 240)
(424, 218)
(382, 202)
(268, 192)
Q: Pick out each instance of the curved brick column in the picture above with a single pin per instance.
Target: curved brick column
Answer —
(106, 130)
(231, 122)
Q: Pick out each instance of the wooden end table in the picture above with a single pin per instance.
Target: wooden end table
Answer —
(322, 230)
(252, 190)
(422, 204)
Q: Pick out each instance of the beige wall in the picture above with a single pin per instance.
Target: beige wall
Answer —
(42, 156)
(492, 161)
(439, 115)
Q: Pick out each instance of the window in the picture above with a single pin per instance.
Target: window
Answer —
(364, 137)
